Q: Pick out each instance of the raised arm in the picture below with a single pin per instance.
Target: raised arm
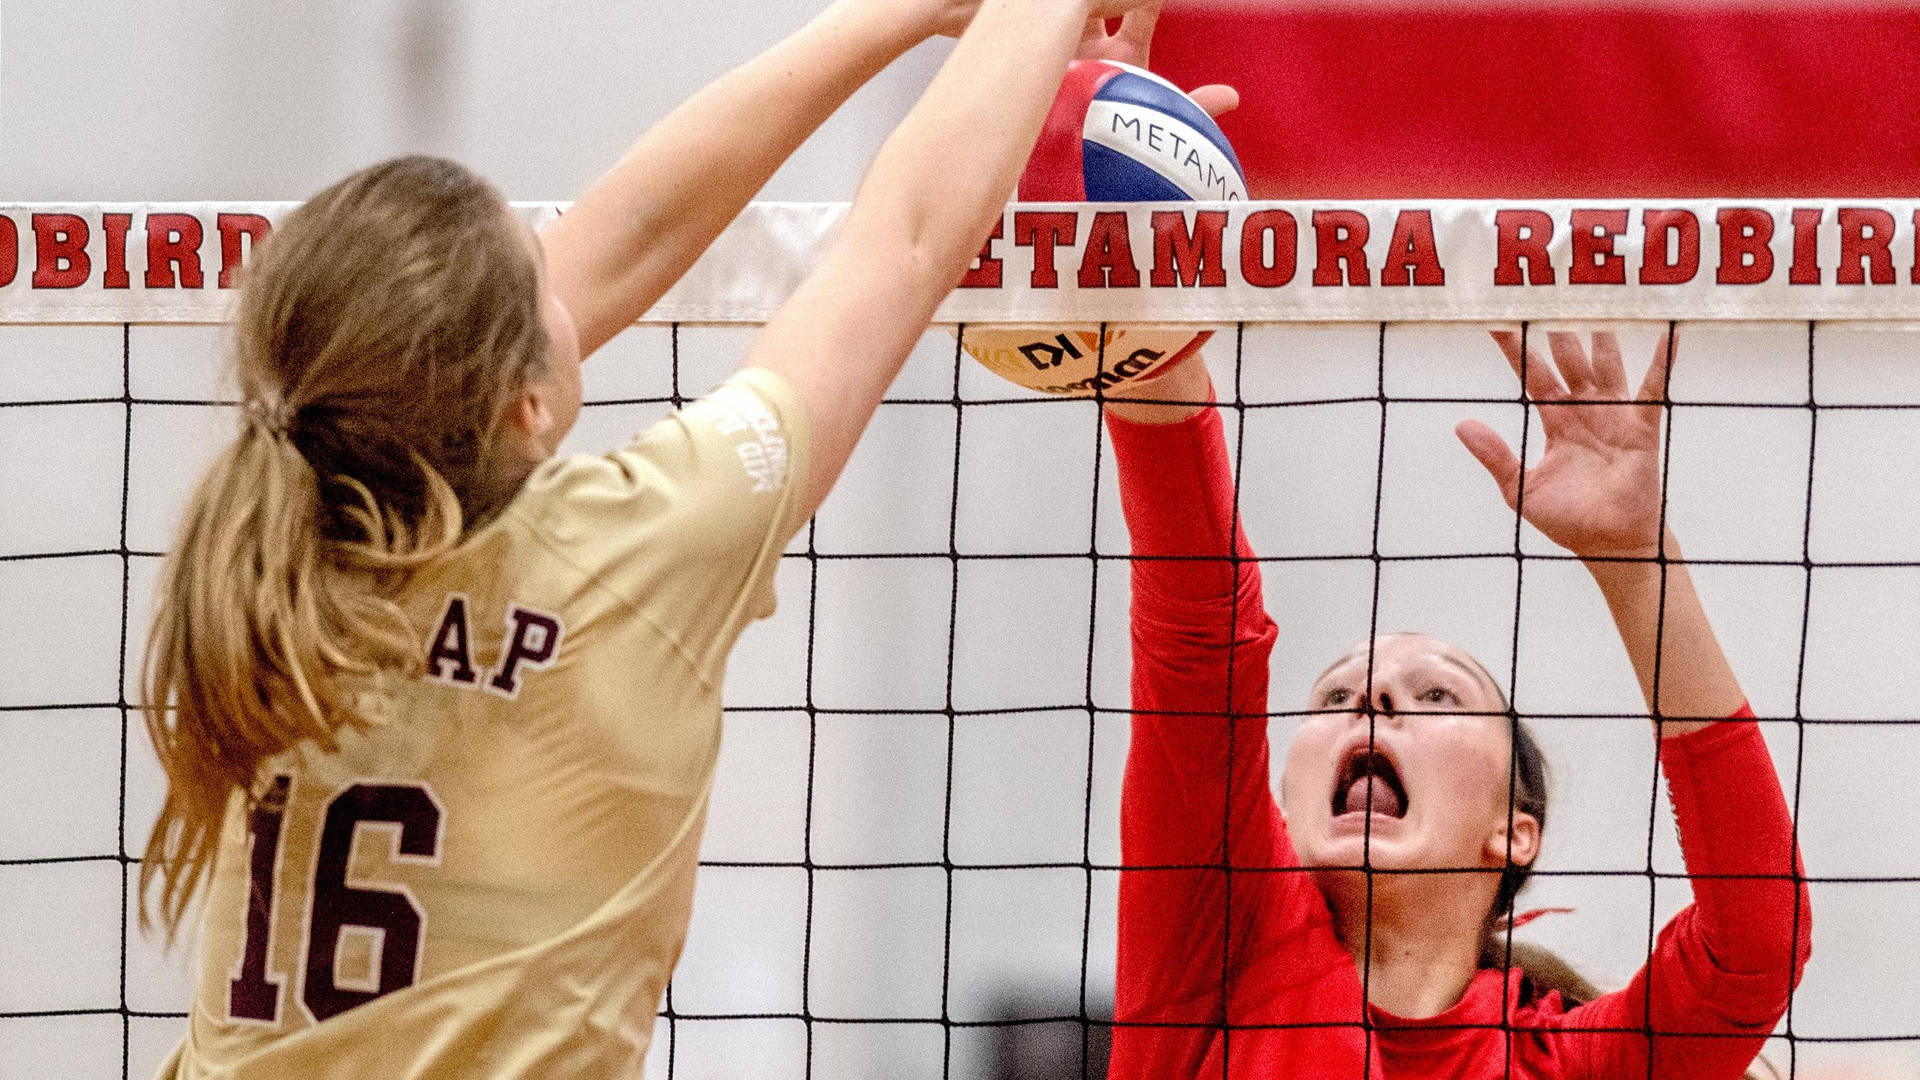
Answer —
(919, 217)
(1197, 767)
(1201, 639)
(1723, 969)
(1201, 946)
(642, 225)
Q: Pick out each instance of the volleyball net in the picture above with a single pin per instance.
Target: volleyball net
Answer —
(912, 863)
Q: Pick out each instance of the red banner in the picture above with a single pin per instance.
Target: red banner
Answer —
(1425, 101)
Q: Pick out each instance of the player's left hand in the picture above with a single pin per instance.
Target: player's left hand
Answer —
(1168, 396)
(1596, 489)
(1133, 43)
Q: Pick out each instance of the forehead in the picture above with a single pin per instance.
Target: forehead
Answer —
(1397, 649)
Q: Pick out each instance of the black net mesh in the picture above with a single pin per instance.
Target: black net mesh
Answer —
(1054, 1028)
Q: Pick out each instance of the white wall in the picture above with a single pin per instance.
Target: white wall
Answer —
(194, 99)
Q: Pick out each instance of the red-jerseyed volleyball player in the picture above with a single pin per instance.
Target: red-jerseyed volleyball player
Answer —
(439, 709)
(1409, 761)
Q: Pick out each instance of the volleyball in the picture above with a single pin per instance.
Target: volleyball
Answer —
(1115, 133)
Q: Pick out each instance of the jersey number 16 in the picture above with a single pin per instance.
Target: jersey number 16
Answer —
(333, 907)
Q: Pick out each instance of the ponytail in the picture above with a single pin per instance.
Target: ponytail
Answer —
(1542, 968)
(1544, 971)
(381, 332)
(263, 628)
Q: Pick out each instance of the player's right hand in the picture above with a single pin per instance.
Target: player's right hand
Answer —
(1167, 396)
(1113, 9)
(951, 17)
(946, 18)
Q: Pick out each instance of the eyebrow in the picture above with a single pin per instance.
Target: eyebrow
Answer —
(1477, 674)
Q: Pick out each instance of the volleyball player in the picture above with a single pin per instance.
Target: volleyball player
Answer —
(1411, 763)
(439, 710)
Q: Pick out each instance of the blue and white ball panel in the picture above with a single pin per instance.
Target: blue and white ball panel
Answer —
(1115, 134)
(1144, 140)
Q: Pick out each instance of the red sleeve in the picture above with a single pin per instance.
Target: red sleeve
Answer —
(1196, 786)
(1727, 963)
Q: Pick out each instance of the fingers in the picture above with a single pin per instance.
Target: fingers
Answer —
(1093, 35)
(1534, 371)
(1601, 375)
(1654, 386)
(1136, 29)
(1215, 98)
(1571, 358)
(1609, 373)
(1492, 452)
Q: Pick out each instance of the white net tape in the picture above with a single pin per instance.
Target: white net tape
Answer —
(1173, 263)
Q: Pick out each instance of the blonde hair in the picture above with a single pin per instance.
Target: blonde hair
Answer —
(382, 332)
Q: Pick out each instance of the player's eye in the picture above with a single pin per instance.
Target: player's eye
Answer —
(1339, 695)
(1439, 695)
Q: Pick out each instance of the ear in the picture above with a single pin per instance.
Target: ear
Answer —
(530, 419)
(1525, 841)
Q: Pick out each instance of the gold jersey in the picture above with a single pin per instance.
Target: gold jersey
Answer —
(493, 878)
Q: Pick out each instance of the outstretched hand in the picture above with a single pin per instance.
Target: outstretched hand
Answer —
(1132, 44)
(1182, 388)
(1596, 489)
(950, 17)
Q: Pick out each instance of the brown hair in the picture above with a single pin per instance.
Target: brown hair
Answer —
(382, 332)
(1544, 970)
(1529, 776)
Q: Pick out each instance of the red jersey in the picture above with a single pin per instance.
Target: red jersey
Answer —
(1228, 962)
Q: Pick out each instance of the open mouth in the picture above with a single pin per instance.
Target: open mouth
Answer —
(1369, 784)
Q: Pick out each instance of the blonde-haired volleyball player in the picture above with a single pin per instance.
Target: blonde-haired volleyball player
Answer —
(439, 710)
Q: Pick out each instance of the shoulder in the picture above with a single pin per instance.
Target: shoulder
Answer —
(686, 523)
(751, 400)
(739, 451)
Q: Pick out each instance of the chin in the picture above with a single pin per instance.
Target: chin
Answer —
(1376, 840)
